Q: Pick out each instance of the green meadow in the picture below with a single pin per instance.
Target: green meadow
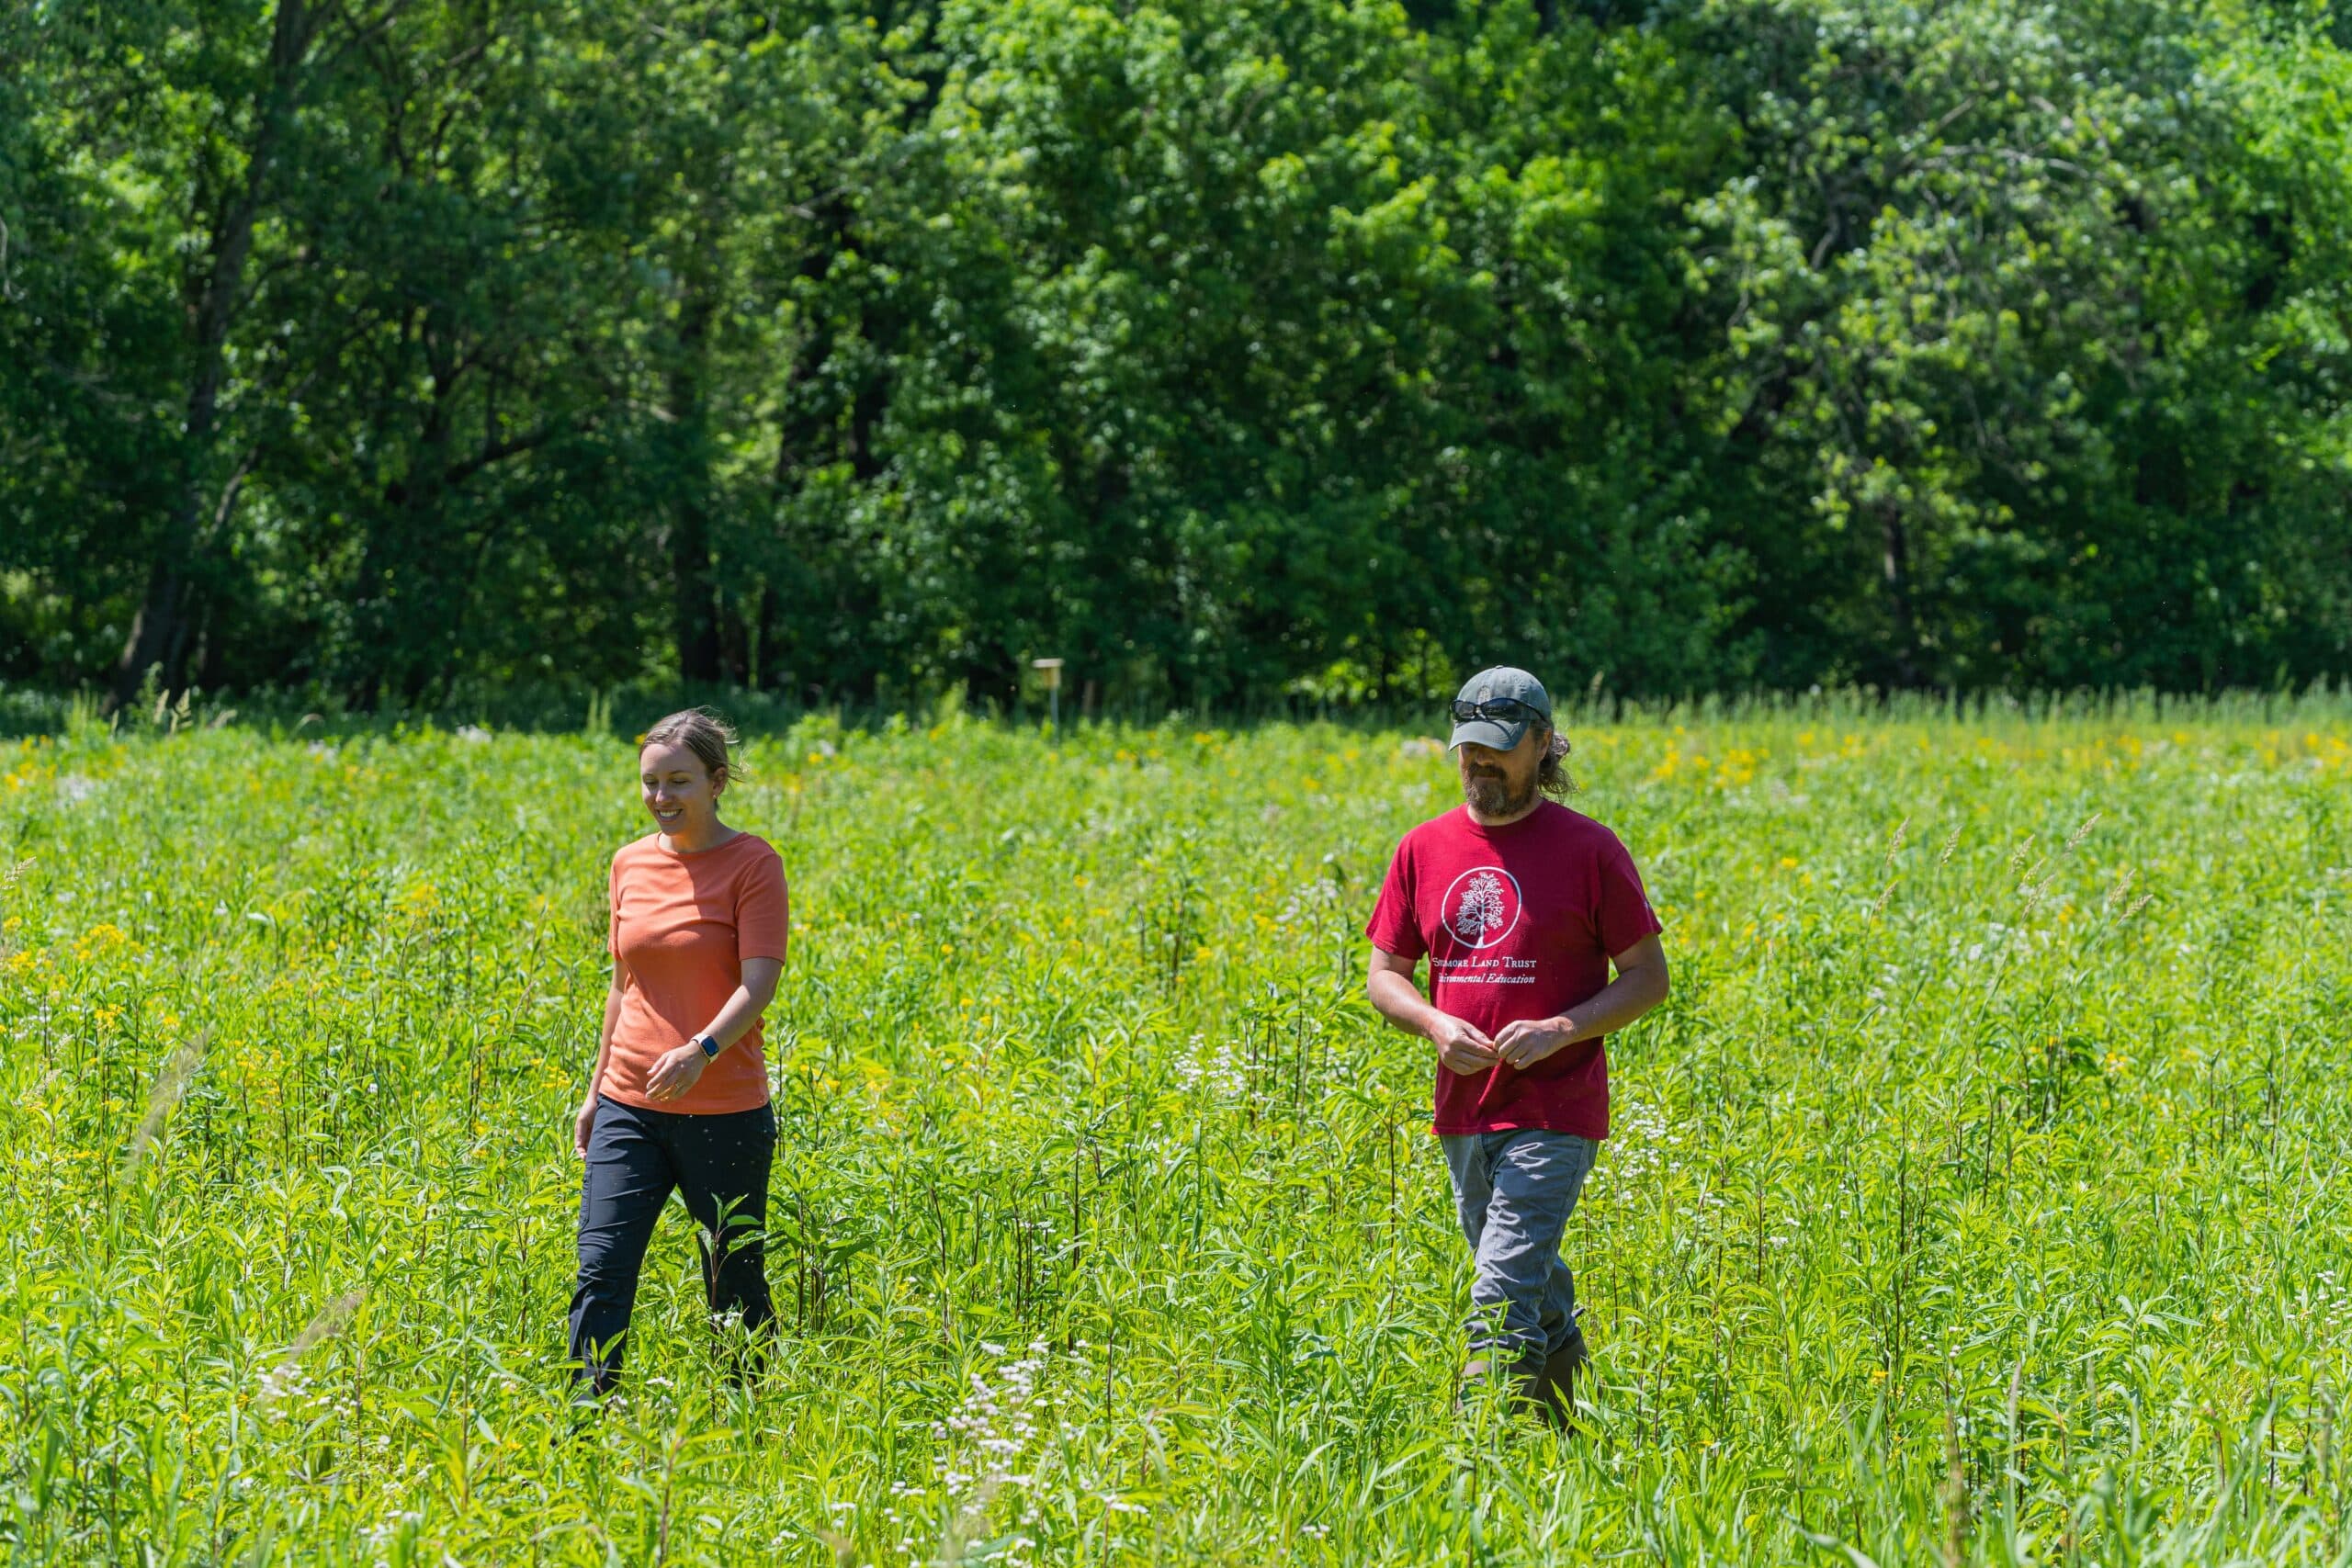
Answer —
(1979, 1197)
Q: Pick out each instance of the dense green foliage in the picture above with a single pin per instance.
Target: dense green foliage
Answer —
(1226, 347)
(1978, 1196)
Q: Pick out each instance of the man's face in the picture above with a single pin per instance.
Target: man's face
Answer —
(1501, 783)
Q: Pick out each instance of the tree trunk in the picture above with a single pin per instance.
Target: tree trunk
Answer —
(1896, 567)
(696, 608)
(158, 631)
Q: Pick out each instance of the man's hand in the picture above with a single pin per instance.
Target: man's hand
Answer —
(676, 1072)
(584, 1124)
(1525, 1042)
(1462, 1047)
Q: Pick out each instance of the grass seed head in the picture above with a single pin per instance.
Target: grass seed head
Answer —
(170, 1085)
(2016, 856)
(330, 1321)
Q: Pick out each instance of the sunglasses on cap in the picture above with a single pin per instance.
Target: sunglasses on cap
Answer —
(1502, 710)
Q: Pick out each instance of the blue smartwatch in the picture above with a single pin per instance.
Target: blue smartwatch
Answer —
(709, 1043)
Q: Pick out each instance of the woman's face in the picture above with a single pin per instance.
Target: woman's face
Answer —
(679, 790)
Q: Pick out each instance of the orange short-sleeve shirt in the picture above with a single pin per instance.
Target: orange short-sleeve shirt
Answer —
(682, 925)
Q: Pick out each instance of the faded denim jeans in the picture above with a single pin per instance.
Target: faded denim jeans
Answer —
(1514, 1191)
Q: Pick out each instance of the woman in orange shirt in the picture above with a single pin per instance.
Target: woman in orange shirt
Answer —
(680, 1095)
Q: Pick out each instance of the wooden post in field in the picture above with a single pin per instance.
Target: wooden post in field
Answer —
(1053, 669)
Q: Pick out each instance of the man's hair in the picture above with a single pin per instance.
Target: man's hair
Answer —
(1551, 775)
(703, 732)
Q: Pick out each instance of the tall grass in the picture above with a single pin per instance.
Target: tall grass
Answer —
(1977, 1198)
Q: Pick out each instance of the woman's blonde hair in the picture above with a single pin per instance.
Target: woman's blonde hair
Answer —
(710, 738)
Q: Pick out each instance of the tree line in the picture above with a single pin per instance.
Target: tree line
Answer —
(1220, 347)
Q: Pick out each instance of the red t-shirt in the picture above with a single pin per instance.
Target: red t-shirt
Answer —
(1517, 922)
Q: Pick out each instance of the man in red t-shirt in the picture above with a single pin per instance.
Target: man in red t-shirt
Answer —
(1522, 907)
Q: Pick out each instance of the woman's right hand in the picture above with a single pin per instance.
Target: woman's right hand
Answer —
(584, 1124)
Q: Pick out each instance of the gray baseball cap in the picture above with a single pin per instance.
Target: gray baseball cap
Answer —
(1500, 684)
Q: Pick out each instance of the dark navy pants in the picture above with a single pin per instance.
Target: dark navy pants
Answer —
(719, 1164)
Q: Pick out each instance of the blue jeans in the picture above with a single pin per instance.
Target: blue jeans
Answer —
(1514, 1192)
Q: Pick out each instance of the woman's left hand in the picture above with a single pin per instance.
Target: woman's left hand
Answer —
(676, 1072)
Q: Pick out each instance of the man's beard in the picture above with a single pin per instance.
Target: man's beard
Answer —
(1491, 796)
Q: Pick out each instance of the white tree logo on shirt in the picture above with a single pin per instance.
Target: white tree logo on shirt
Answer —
(1482, 906)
